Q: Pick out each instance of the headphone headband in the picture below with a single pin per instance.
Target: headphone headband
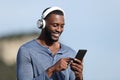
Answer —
(41, 22)
(50, 10)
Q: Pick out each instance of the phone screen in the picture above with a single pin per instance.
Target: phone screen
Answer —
(81, 53)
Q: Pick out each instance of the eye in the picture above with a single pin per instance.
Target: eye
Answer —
(58, 25)
(55, 25)
(62, 26)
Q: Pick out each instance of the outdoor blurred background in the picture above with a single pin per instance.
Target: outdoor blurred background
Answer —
(9, 46)
(89, 24)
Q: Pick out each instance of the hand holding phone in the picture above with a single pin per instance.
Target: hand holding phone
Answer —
(76, 65)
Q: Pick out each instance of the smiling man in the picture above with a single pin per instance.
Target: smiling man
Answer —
(45, 58)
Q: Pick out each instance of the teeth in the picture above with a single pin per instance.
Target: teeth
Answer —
(56, 34)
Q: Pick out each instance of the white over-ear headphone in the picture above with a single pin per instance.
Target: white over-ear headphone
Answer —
(41, 22)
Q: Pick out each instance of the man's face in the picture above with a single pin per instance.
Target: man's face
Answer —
(54, 27)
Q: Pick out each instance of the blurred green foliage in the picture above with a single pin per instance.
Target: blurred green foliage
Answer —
(7, 72)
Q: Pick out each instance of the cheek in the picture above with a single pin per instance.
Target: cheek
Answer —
(62, 29)
(49, 28)
(47, 31)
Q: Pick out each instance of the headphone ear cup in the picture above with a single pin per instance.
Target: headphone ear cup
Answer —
(41, 23)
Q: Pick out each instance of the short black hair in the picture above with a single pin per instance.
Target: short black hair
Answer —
(59, 12)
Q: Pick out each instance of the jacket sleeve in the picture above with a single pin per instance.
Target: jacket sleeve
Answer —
(24, 67)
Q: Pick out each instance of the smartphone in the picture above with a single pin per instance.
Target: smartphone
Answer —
(80, 54)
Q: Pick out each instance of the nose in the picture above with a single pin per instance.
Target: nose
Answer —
(59, 29)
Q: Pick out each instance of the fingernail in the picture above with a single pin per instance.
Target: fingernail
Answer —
(75, 59)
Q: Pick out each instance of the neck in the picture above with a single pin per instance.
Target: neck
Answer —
(53, 46)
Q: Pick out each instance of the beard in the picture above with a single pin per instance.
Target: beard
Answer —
(52, 36)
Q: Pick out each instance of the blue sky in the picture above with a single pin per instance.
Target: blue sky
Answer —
(89, 24)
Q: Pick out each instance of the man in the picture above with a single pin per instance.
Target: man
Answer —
(45, 58)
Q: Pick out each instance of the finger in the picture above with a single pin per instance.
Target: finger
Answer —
(79, 75)
(76, 72)
(65, 61)
(77, 61)
(76, 66)
(68, 60)
(76, 69)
